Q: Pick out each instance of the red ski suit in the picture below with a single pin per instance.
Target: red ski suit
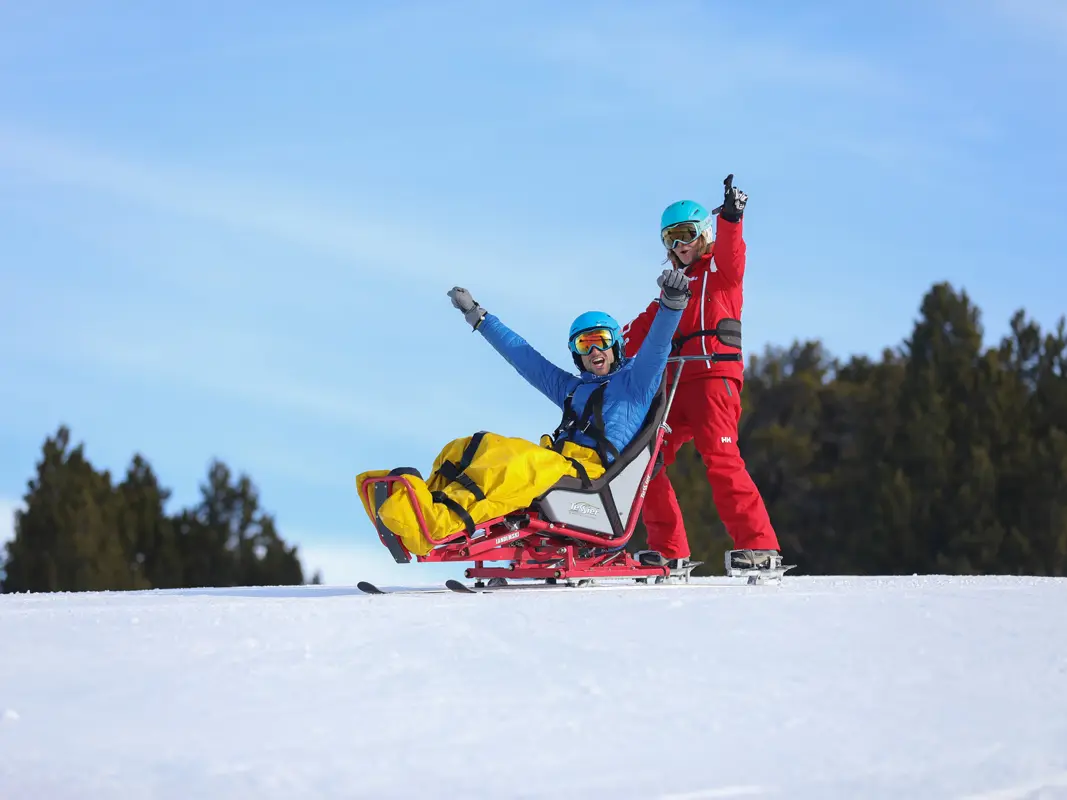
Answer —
(707, 406)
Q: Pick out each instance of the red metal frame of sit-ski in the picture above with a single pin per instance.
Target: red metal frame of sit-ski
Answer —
(527, 541)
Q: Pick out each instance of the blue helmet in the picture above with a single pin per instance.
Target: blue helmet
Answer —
(596, 319)
(685, 211)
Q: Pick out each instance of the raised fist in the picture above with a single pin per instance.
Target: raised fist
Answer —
(675, 289)
(733, 204)
(461, 299)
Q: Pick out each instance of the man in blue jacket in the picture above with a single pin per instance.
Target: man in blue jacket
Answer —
(612, 387)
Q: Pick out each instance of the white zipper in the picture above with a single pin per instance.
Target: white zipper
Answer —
(703, 300)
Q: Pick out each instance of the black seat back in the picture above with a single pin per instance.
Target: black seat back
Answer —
(604, 506)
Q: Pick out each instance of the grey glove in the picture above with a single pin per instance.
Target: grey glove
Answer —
(675, 289)
(472, 312)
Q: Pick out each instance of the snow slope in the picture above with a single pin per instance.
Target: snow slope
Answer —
(821, 688)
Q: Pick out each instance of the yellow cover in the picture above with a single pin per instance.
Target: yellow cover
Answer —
(510, 472)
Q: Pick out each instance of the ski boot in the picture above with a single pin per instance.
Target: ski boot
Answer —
(759, 566)
(650, 558)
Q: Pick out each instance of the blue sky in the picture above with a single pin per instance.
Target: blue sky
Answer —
(227, 231)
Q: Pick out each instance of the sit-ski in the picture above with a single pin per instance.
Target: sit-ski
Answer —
(572, 535)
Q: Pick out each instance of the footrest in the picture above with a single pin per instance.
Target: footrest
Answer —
(389, 539)
(650, 558)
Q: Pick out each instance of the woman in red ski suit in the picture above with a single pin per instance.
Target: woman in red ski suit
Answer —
(707, 406)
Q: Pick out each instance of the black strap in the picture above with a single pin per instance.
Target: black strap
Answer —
(568, 420)
(728, 331)
(591, 422)
(595, 408)
(460, 511)
(451, 471)
(406, 471)
(579, 467)
(448, 472)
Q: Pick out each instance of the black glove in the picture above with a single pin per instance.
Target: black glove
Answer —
(675, 286)
(472, 312)
(733, 204)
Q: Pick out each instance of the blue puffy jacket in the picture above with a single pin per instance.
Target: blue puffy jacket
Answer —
(631, 387)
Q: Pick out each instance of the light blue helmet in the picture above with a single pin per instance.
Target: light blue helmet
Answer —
(596, 319)
(684, 211)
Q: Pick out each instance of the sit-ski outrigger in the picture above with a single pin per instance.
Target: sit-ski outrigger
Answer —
(572, 534)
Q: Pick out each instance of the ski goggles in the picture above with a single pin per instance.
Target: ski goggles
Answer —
(584, 342)
(680, 233)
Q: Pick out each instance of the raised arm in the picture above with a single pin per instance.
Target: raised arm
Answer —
(542, 374)
(651, 358)
(539, 372)
(729, 248)
(729, 252)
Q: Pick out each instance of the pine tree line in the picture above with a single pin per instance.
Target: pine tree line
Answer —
(941, 457)
(79, 531)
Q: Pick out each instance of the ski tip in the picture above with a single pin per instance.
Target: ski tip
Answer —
(369, 588)
(457, 586)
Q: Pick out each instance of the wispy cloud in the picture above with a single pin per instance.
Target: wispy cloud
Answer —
(791, 86)
(1044, 19)
(997, 22)
(207, 197)
(251, 366)
(243, 372)
(145, 42)
(350, 240)
(630, 44)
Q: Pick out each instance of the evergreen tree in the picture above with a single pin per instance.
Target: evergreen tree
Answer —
(80, 532)
(66, 538)
(146, 532)
(228, 541)
(942, 456)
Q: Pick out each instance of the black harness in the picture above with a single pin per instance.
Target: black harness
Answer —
(591, 423)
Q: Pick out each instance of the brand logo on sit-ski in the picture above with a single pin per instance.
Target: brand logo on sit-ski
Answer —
(584, 509)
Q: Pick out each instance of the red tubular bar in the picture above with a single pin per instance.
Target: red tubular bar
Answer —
(411, 494)
(615, 564)
(543, 573)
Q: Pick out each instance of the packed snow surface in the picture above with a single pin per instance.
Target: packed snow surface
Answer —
(904, 687)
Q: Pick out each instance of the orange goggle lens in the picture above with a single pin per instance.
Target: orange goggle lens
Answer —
(596, 339)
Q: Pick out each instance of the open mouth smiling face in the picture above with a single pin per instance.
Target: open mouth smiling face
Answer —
(599, 361)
